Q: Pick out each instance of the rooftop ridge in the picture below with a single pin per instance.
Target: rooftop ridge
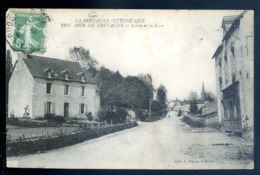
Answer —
(34, 56)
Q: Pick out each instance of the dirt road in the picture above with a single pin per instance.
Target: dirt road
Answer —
(164, 144)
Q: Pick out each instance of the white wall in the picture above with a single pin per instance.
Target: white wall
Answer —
(20, 89)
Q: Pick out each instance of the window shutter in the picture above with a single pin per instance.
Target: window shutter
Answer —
(53, 108)
(79, 108)
(86, 108)
(45, 108)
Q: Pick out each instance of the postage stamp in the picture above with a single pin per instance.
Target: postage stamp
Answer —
(28, 33)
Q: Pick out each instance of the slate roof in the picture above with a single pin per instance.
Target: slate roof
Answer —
(38, 65)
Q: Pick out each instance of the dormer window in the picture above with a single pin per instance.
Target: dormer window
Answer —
(49, 75)
(82, 76)
(49, 72)
(66, 74)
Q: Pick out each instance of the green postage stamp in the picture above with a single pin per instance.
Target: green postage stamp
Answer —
(28, 34)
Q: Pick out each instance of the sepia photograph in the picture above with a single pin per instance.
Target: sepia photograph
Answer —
(129, 89)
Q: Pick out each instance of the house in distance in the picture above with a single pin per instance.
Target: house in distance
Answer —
(41, 85)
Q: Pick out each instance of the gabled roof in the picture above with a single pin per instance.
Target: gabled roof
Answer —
(38, 65)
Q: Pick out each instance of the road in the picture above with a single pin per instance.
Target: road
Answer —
(164, 144)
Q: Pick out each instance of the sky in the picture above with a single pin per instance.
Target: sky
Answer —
(178, 54)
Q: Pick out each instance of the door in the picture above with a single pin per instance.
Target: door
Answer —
(232, 115)
(66, 109)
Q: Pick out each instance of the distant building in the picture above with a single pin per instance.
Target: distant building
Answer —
(209, 109)
(186, 104)
(174, 104)
(41, 85)
(209, 112)
(234, 65)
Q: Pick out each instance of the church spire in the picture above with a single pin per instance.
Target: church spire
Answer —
(203, 92)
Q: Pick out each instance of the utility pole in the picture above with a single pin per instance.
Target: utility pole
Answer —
(150, 102)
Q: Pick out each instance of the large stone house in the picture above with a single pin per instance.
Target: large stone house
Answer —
(234, 65)
(43, 85)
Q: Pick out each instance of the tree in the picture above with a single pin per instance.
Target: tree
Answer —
(9, 71)
(193, 95)
(210, 96)
(193, 107)
(161, 94)
(157, 107)
(147, 79)
(83, 56)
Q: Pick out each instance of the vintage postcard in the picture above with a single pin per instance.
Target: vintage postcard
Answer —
(130, 89)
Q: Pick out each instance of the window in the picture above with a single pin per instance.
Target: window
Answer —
(66, 89)
(48, 107)
(82, 91)
(82, 78)
(82, 107)
(48, 88)
(49, 75)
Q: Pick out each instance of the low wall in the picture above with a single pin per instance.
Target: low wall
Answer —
(53, 142)
(30, 123)
(193, 121)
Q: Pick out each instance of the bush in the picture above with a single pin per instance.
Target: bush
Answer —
(59, 118)
(49, 116)
(121, 115)
(54, 118)
(116, 115)
(89, 116)
(140, 115)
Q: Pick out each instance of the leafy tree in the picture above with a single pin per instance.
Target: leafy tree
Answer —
(161, 94)
(83, 56)
(147, 79)
(157, 107)
(109, 83)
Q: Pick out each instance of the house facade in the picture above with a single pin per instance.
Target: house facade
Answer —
(41, 85)
(234, 65)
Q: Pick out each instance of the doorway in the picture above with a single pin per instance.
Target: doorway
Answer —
(66, 109)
